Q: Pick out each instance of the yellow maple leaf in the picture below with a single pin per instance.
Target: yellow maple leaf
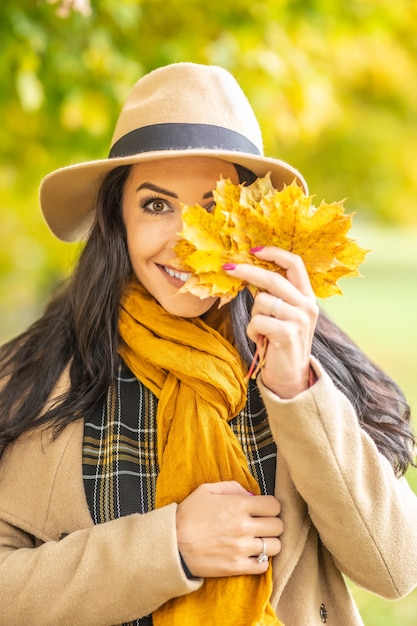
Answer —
(245, 217)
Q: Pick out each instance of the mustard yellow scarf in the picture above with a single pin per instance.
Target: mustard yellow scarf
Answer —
(198, 378)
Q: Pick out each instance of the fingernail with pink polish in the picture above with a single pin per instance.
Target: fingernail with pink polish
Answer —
(250, 493)
(229, 266)
(257, 249)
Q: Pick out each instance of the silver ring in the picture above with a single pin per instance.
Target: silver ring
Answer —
(262, 557)
(275, 307)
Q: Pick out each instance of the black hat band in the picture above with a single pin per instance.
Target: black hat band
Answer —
(179, 136)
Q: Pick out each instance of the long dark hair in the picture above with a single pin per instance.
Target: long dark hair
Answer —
(79, 330)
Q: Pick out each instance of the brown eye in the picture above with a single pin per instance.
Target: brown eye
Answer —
(157, 205)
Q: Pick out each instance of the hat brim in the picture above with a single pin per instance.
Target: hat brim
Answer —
(68, 195)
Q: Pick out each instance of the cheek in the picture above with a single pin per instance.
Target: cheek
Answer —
(138, 247)
(144, 241)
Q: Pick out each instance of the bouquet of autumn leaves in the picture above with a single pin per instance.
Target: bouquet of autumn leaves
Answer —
(246, 217)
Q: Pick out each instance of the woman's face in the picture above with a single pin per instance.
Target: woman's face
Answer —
(151, 210)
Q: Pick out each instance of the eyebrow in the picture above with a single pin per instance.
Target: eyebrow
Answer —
(153, 187)
(166, 192)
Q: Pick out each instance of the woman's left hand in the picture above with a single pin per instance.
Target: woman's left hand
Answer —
(285, 312)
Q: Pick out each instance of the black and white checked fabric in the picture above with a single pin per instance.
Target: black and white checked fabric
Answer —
(120, 464)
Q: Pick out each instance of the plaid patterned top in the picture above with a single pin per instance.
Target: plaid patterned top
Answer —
(120, 465)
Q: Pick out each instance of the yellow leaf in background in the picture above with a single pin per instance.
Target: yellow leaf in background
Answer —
(245, 217)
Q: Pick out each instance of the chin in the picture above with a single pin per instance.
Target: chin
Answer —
(189, 309)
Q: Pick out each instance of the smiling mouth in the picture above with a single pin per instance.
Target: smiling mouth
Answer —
(183, 276)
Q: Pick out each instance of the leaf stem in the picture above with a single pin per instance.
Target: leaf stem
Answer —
(258, 360)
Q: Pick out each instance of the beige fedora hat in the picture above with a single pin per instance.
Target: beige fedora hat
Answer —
(176, 110)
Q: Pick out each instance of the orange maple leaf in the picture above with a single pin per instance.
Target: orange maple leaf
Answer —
(245, 217)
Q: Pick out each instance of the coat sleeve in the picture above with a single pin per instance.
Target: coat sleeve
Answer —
(365, 515)
(112, 573)
(97, 575)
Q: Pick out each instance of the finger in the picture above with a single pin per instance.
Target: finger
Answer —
(293, 265)
(291, 287)
(268, 281)
(270, 314)
(264, 506)
(268, 310)
(271, 306)
(271, 546)
(266, 527)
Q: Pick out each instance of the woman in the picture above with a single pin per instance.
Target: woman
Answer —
(141, 480)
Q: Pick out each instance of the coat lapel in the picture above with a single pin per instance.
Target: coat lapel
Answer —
(297, 522)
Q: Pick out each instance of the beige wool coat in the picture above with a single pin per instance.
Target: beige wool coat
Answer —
(343, 511)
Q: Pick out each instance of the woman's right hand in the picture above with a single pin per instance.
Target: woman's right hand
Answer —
(220, 527)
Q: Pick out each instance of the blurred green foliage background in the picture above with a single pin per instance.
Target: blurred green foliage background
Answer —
(334, 85)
